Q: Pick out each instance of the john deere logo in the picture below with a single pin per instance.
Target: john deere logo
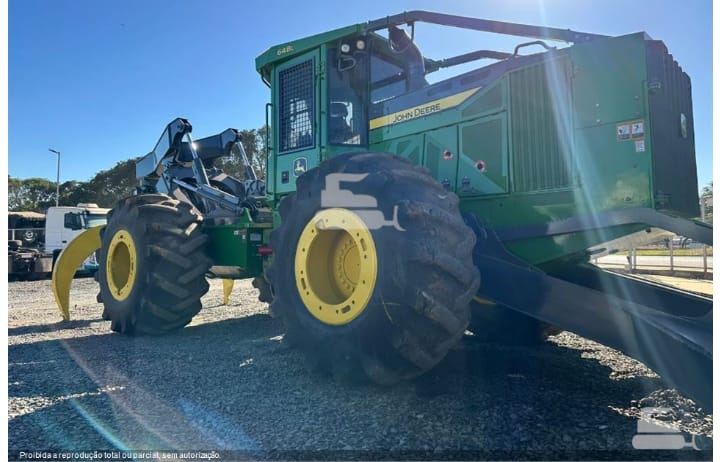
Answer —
(299, 166)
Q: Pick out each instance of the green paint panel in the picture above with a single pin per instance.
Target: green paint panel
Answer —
(236, 246)
(514, 210)
(553, 248)
(441, 155)
(279, 53)
(484, 157)
(609, 80)
(488, 101)
(405, 147)
(612, 174)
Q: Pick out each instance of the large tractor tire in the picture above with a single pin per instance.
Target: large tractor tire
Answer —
(152, 265)
(384, 303)
(501, 325)
(263, 286)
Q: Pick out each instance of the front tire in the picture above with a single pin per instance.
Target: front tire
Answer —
(152, 265)
(383, 303)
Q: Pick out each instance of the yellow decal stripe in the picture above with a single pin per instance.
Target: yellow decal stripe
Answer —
(422, 110)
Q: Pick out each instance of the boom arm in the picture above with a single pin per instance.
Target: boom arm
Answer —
(174, 161)
(167, 145)
(483, 25)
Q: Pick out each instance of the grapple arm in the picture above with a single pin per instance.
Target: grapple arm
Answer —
(81, 247)
(168, 145)
(179, 162)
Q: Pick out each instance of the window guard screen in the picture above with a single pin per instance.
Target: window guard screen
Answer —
(297, 107)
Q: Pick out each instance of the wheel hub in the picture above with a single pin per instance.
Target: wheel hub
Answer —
(347, 264)
(121, 265)
(335, 266)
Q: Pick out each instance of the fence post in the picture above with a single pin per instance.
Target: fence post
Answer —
(704, 260)
(672, 259)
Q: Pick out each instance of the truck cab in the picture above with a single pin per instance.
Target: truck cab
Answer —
(35, 240)
(64, 223)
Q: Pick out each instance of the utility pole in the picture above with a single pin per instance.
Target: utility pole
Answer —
(57, 192)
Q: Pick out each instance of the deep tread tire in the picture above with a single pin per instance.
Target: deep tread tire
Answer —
(505, 326)
(171, 265)
(426, 278)
(263, 286)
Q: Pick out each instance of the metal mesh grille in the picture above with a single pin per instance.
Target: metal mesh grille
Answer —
(540, 164)
(297, 107)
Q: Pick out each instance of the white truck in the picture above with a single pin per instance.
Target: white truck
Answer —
(35, 240)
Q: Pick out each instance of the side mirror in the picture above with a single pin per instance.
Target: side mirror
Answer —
(73, 221)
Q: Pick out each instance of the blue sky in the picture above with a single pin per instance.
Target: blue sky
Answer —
(98, 80)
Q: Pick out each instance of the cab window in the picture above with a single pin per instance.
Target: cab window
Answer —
(387, 79)
(347, 97)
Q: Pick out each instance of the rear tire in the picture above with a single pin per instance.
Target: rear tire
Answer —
(152, 265)
(417, 306)
(263, 286)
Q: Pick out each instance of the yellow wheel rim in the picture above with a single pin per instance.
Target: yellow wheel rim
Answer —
(336, 266)
(121, 265)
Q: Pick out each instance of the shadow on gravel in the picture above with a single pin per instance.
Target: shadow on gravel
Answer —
(548, 377)
(545, 393)
(234, 385)
(107, 391)
(55, 368)
(61, 325)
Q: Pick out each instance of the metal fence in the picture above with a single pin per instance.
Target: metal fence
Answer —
(667, 258)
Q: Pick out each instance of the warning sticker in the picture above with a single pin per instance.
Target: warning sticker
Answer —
(638, 130)
(623, 132)
(632, 130)
(640, 146)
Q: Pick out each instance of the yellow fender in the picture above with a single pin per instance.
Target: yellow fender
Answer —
(68, 262)
(227, 290)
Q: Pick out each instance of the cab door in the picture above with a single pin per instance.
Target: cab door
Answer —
(296, 104)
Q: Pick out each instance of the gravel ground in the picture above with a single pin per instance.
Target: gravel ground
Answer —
(228, 382)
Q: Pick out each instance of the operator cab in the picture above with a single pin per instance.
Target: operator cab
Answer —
(368, 69)
(364, 70)
(323, 98)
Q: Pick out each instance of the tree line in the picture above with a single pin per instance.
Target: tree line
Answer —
(109, 186)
